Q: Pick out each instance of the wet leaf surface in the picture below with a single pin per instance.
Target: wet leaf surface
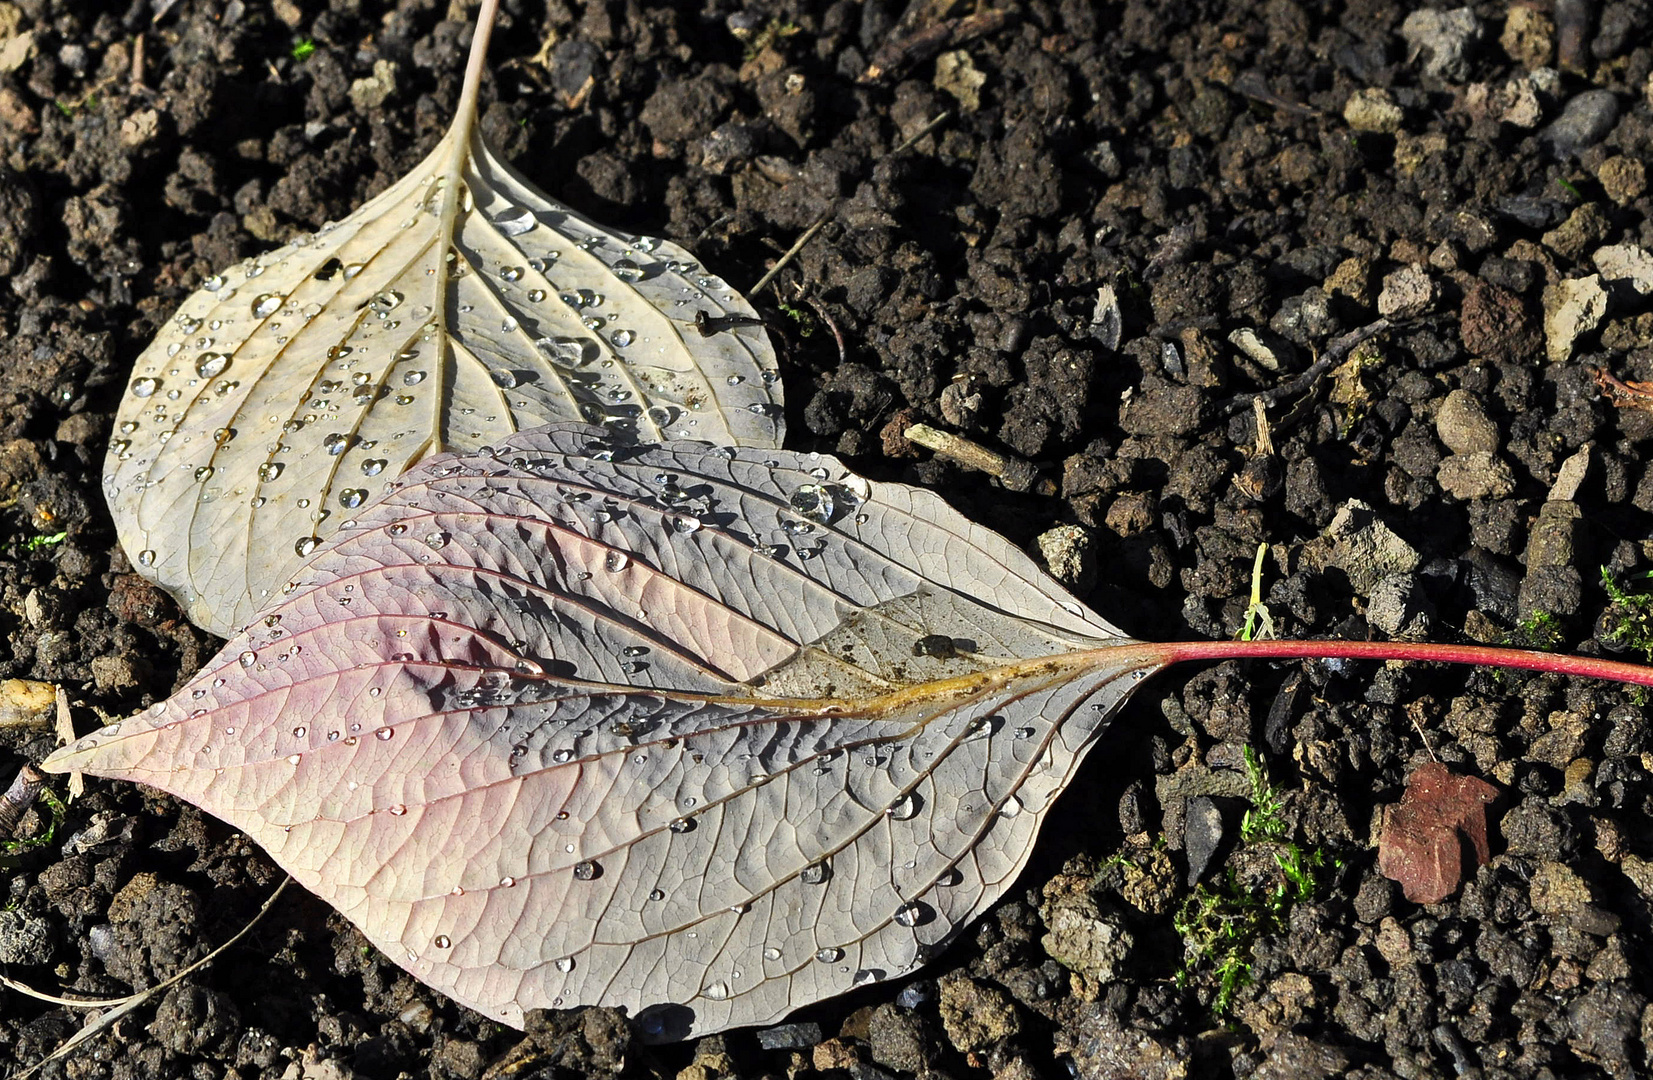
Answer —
(454, 308)
(708, 733)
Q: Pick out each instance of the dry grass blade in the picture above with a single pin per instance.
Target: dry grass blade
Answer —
(708, 733)
(456, 307)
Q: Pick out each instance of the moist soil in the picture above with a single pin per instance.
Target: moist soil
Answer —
(1134, 218)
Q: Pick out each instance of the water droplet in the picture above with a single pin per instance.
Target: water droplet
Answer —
(306, 544)
(657, 895)
(145, 387)
(682, 825)
(814, 501)
(616, 562)
(384, 734)
(299, 732)
(208, 365)
(294, 759)
(684, 524)
(413, 378)
(829, 955)
(336, 443)
(508, 325)
(587, 870)
(626, 270)
(622, 338)
(563, 756)
(350, 498)
(771, 953)
(866, 976)
(266, 304)
(404, 399)
(442, 941)
(270, 470)
(385, 301)
(717, 991)
(511, 273)
(565, 964)
(146, 557)
(504, 378)
(397, 810)
(913, 914)
(1012, 807)
(904, 808)
(816, 873)
(203, 474)
(436, 540)
(514, 222)
(213, 283)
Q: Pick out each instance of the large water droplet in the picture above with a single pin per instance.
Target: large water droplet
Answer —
(203, 474)
(306, 544)
(145, 387)
(514, 222)
(816, 873)
(682, 825)
(442, 941)
(622, 338)
(913, 913)
(336, 443)
(814, 501)
(829, 955)
(616, 562)
(905, 807)
(350, 498)
(248, 658)
(146, 557)
(209, 365)
(266, 304)
(587, 870)
(270, 470)
(504, 378)
(385, 301)
(717, 991)
(683, 524)
(626, 270)
(866, 976)
(565, 964)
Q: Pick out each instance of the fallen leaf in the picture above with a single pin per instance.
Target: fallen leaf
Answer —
(454, 308)
(1422, 843)
(708, 733)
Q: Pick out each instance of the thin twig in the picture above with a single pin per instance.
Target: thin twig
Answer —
(18, 798)
(1015, 473)
(826, 317)
(119, 1007)
(1334, 354)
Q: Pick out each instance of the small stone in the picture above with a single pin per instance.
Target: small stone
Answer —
(1268, 350)
(1400, 607)
(789, 1036)
(1373, 109)
(25, 701)
(1407, 292)
(957, 75)
(1572, 308)
(1481, 475)
(25, 939)
(1629, 263)
(1624, 179)
(1367, 549)
(1585, 121)
(1352, 278)
(1529, 36)
(1584, 229)
(976, 1016)
(1068, 553)
(1462, 424)
(1494, 324)
(373, 91)
(1202, 835)
(1443, 40)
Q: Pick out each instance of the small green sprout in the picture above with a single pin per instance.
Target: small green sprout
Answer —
(303, 49)
(1257, 617)
(802, 316)
(11, 851)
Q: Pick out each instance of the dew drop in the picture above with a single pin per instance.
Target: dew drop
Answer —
(682, 825)
(514, 222)
(306, 544)
(565, 964)
(616, 562)
(146, 557)
(1012, 807)
(203, 474)
(385, 301)
(145, 387)
(397, 810)
(563, 756)
(436, 540)
(814, 501)
(622, 338)
(717, 991)
(299, 732)
(626, 270)
(213, 283)
(866, 976)
(266, 304)
(270, 470)
(829, 955)
(657, 895)
(350, 498)
(507, 882)
(771, 953)
(210, 365)
(587, 870)
(816, 873)
(683, 524)
(913, 914)
(442, 941)
(504, 378)
(508, 325)
(336, 444)
(248, 658)
(904, 808)
(511, 273)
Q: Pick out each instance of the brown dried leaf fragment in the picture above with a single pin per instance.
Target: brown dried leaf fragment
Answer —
(1422, 843)
(1626, 394)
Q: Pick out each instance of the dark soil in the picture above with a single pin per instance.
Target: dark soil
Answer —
(1292, 169)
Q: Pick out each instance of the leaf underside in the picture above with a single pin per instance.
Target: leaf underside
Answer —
(707, 733)
(291, 388)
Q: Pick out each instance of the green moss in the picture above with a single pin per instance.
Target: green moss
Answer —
(1628, 620)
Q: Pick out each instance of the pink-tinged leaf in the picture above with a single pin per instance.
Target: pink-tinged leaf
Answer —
(1422, 844)
(704, 732)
